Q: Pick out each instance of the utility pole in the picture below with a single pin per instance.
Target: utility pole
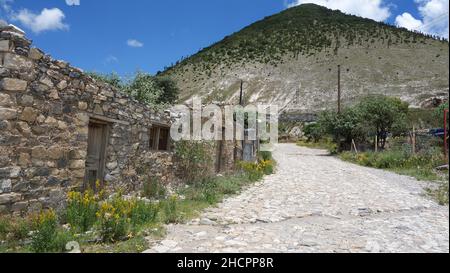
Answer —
(339, 89)
(241, 96)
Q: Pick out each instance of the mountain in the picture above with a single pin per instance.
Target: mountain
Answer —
(291, 59)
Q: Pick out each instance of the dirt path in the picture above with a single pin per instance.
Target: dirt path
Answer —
(317, 203)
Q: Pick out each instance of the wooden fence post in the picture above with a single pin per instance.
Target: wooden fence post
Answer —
(376, 142)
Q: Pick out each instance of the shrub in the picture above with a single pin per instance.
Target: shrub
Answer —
(153, 188)
(81, 210)
(143, 213)
(4, 227)
(194, 159)
(19, 229)
(170, 209)
(313, 131)
(46, 237)
(251, 170)
(113, 224)
(265, 155)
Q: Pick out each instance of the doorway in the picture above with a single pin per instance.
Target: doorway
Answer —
(96, 155)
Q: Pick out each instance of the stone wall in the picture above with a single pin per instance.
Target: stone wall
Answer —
(45, 109)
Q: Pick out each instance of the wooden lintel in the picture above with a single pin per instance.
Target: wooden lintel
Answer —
(106, 119)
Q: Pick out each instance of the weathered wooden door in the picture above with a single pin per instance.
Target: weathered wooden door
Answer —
(95, 162)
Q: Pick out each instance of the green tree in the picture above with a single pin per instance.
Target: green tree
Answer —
(313, 131)
(343, 127)
(144, 88)
(381, 115)
(439, 114)
(169, 89)
(112, 79)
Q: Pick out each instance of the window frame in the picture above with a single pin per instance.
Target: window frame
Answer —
(154, 133)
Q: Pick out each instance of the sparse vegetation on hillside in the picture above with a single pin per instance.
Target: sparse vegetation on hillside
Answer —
(303, 30)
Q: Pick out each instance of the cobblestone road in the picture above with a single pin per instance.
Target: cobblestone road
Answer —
(318, 203)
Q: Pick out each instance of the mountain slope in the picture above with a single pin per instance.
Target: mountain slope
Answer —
(291, 59)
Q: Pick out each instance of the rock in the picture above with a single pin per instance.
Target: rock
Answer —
(82, 119)
(17, 62)
(55, 152)
(42, 171)
(169, 243)
(62, 125)
(47, 81)
(9, 198)
(54, 94)
(35, 54)
(5, 100)
(78, 173)
(5, 46)
(82, 105)
(4, 173)
(39, 152)
(112, 165)
(24, 159)
(14, 172)
(6, 186)
(77, 164)
(77, 154)
(19, 206)
(29, 114)
(7, 113)
(24, 128)
(207, 222)
(98, 110)
(27, 100)
(62, 85)
(51, 121)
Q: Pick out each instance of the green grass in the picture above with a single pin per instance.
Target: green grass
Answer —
(420, 166)
(440, 193)
(136, 219)
(324, 144)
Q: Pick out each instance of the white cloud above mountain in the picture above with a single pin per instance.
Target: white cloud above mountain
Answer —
(372, 9)
(406, 20)
(434, 19)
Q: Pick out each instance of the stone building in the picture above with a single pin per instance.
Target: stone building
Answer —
(62, 130)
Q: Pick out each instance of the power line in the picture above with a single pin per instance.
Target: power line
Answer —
(435, 20)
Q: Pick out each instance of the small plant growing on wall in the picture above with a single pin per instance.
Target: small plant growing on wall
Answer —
(154, 188)
(194, 159)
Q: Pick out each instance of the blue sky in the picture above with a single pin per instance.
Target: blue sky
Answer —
(125, 36)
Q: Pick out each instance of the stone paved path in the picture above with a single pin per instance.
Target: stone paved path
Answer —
(318, 203)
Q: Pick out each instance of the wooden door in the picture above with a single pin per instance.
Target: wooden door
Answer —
(95, 162)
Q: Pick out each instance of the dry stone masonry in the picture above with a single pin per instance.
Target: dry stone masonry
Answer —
(48, 113)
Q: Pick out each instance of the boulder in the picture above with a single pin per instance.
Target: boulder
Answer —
(7, 113)
(10, 84)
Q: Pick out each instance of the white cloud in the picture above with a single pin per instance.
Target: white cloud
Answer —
(73, 2)
(6, 5)
(434, 19)
(111, 59)
(406, 20)
(48, 19)
(134, 43)
(373, 9)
